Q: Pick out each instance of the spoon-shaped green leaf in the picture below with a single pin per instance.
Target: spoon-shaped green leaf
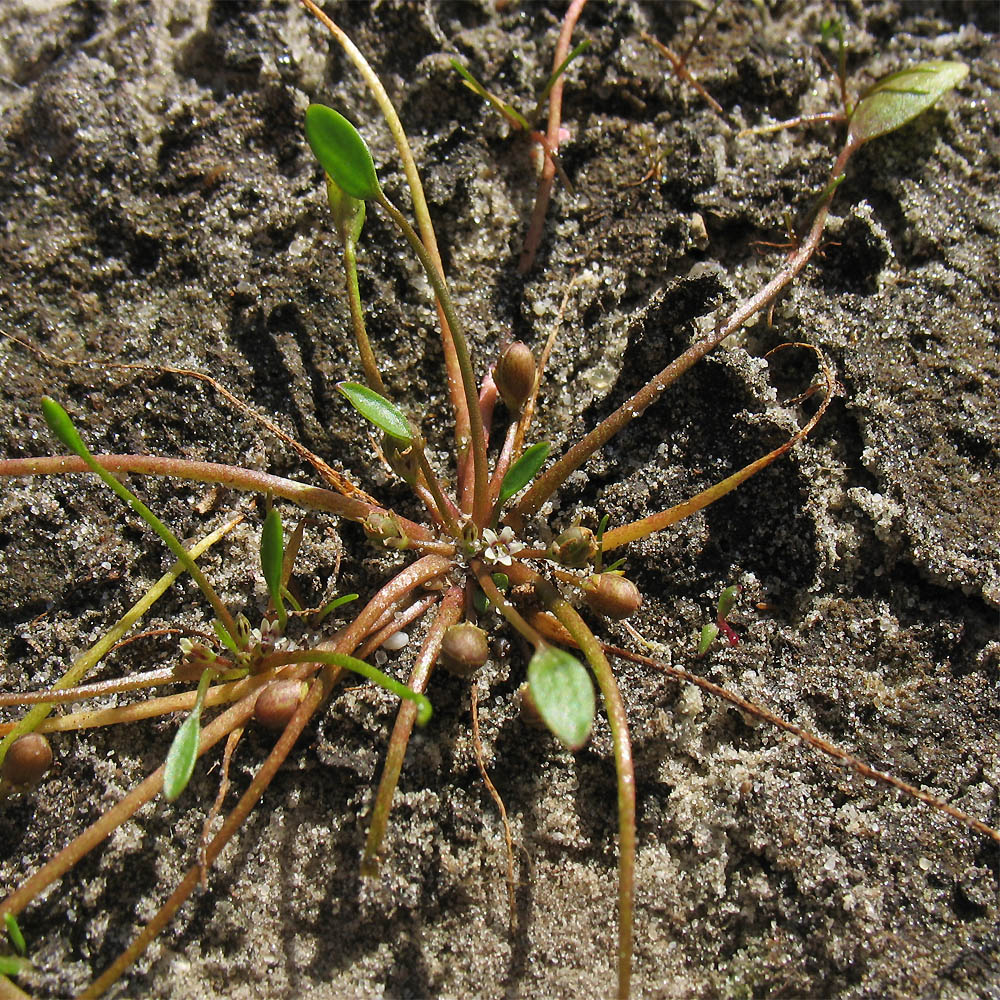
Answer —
(901, 96)
(563, 694)
(341, 151)
(384, 415)
(183, 752)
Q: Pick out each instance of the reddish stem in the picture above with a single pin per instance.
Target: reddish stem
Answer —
(448, 614)
(544, 192)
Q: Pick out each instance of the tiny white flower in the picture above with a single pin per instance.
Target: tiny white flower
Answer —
(500, 548)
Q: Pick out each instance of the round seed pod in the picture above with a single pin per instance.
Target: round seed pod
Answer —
(464, 649)
(28, 758)
(277, 703)
(575, 547)
(612, 595)
(515, 375)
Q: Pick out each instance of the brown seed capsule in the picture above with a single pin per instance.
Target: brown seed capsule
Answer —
(464, 649)
(612, 595)
(576, 547)
(530, 715)
(515, 375)
(277, 703)
(28, 758)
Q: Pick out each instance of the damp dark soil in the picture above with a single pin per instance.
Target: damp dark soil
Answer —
(160, 205)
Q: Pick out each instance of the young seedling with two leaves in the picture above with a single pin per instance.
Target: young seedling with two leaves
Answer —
(477, 546)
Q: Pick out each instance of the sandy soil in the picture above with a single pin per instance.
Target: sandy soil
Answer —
(160, 205)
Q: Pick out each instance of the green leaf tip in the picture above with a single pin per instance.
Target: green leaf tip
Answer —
(14, 933)
(424, 710)
(183, 752)
(272, 552)
(524, 470)
(61, 425)
(563, 694)
(384, 415)
(342, 153)
(900, 97)
(181, 756)
(709, 633)
(272, 557)
(726, 601)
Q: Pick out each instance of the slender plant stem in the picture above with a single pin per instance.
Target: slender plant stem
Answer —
(657, 522)
(513, 616)
(544, 193)
(372, 374)
(81, 692)
(415, 575)
(119, 813)
(556, 475)
(84, 663)
(396, 622)
(552, 630)
(502, 465)
(444, 506)
(147, 708)
(344, 662)
(448, 614)
(477, 746)
(62, 426)
(315, 696)
(487, 403)
(480, 498)
(420, 211)
(618, 721)
(231, 476)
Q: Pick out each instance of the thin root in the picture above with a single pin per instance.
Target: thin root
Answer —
(491, 788)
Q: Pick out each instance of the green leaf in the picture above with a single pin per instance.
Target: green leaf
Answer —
(709, 634)
(561, 68)
(14, 933)
(508, 111)
(272, 557)
(11, 965)
(900, 97)
(181, 757)
(524, 470)
(222, 633)
(334, 604)
(831, 27)
(563, 694)
(183, 752)
(341, 151)
(384, 415)
(391, 685)
(60, 425)
(726, 601)
(272, 552)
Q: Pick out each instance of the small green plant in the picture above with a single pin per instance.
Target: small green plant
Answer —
(479, 547)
